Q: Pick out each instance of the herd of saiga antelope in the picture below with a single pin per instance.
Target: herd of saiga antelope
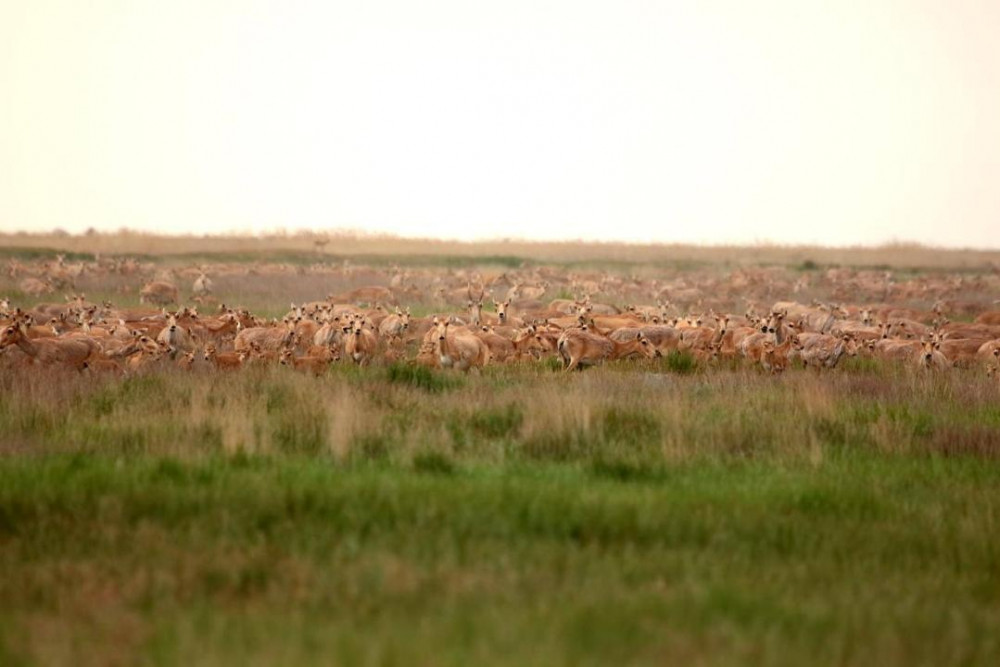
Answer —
(355, 327)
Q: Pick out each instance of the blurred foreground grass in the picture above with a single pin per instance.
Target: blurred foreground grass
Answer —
(397, 516)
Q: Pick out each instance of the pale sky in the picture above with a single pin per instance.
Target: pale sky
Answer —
(832, 122)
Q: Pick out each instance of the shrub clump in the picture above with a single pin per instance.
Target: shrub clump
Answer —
(620, 424)
(434, 463)
(498, 423)
(420, 377)
(682, 363)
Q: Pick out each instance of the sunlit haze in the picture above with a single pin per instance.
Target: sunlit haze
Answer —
(715, 122)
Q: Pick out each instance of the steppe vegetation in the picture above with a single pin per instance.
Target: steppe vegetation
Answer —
(692, 508)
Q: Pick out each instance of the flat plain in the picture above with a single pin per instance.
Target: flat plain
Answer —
(698, 507)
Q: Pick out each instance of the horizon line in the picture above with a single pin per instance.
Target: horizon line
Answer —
(362, 235)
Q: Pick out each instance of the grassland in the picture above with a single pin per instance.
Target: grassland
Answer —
(301, 247)
(641, 513)
(405, 516)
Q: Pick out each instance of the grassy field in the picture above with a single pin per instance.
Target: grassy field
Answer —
(301, 247)
(397, 515)
(659, 512)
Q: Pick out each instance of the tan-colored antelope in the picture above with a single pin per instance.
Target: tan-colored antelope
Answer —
(186, 361)
(751, 346)
(331, 332)
(223, 361)
(546, 342)
(475, 305)
(102, 366)
(147, 360)
(689, 322)
(790, 309)
(360, 344)
(305, 330)
(124, 349)
(395, 325)
(646, 314)
(898, 350)
(596, 309)
(702, 337)
(36, 287)
(960, 351)
(775, 357)
(777, 325)
(990, 317)
(825, 351)
(520, 291)
(317, 365)
(269, 339)
(992, 369)
(567, 322)
(526, 344)
(159, 292)
(905, 329)
(858, 330)
(579, 348)
(175, 336)
(708, 355)
(569, 306)
(224, 328)
(731, 342)
(664, 339)
(503, 309)
(949, 330)
(930, 356)
(367, 296)
(818, 320)
(988, 349)
(33, 331)
(202, 285)
(502, 349)
(459, 348)
(88, 329)
(50, 350)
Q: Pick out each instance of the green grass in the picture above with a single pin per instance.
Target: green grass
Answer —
(681, 362)
(397, 516)
(421, 377)
(300, 559)
(40, 253)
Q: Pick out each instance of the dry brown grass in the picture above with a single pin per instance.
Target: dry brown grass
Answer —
(640, 412)
(901, 255)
